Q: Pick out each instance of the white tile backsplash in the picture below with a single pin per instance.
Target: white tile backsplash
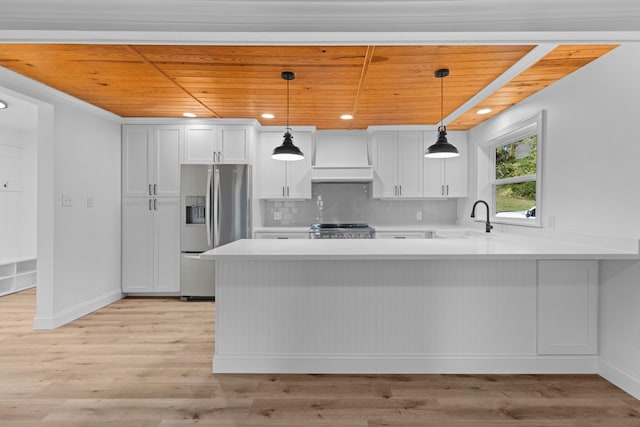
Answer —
(352, 202)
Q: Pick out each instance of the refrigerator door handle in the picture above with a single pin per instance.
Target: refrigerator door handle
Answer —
(216, 207)
(207, 207)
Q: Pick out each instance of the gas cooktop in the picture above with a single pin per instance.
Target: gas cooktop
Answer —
(342, 231)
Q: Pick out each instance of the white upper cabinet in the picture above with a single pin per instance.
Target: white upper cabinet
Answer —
(136, 151)
(222, 144)
(166, 157)
(279, 179)
(234, 144)
(397, 164)
(410, 155)
(446, 177)
(200, 144)
(151, 160)
(385, 164)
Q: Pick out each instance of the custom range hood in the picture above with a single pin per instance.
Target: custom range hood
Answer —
(341, 156)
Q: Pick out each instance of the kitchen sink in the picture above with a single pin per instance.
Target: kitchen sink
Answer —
(461, 234)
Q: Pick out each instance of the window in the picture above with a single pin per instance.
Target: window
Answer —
(514, 175)
(515, 178)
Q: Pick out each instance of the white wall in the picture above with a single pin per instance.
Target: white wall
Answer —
(79, 265)
(18, 198)
(87, 239)
(590, 184)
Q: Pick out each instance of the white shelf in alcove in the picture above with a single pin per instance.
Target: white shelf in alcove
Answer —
(17, 274)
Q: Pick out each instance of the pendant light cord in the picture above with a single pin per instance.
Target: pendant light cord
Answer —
(441, 102)
(288, 106)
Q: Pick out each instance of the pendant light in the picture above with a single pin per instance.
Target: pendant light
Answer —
(442, 149)
(287, 151)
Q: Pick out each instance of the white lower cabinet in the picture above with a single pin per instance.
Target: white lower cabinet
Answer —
(567, 307)
(151, 245)
(401, 235)
(281, 235)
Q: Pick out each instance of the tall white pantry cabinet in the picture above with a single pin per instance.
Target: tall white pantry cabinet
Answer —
(151, 208)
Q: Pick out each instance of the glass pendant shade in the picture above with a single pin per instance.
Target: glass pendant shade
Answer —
(287, 151)
(441, 149)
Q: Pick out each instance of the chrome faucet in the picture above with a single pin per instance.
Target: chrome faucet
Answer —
(488, 225)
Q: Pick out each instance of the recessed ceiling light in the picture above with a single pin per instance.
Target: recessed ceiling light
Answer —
(189, 114)
(346, 117)
(268, 116)
(483, 111)
(3, 105)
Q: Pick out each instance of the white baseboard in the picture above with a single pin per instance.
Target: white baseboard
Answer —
(76, 312)
(390, 364)
(620, 378)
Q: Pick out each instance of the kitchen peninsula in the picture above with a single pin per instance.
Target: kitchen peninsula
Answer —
(467, 302)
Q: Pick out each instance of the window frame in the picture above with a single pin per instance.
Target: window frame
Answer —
(533, 125)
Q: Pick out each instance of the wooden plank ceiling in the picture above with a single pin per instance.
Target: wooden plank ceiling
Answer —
(378, 85)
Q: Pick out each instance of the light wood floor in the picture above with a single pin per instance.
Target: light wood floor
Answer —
(147, 362)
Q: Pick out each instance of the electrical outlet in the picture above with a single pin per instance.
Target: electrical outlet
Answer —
(67, 200)
(277, 215)
(419, 216)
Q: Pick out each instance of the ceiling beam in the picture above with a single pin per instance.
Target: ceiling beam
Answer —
(523, 64)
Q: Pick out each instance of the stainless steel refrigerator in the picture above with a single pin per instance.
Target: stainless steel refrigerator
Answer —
(215, 210)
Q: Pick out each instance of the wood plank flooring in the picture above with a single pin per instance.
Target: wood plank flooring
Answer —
(147, 362)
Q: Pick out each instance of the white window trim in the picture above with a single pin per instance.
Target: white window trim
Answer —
(533, 125)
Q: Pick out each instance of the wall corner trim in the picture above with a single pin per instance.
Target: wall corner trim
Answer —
(72, 313)
(619, 378)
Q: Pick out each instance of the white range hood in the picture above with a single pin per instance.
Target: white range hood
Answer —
(341, 156)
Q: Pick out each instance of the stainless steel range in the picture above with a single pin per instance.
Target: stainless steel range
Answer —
(342, 231)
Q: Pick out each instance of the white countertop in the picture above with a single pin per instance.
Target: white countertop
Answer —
(459, 244)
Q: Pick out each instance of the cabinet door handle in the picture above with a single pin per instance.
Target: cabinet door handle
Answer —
(155, 204)
(220, 156)
(442, 190)
(283, 191)
(400, 192)
(395, 190)
(150, 206)
(447, 189)
(287, 191)
(150, 192)
(155, 189)
(213, 154)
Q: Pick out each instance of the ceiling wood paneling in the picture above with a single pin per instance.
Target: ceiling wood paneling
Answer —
(379, 85)
(561, 61)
